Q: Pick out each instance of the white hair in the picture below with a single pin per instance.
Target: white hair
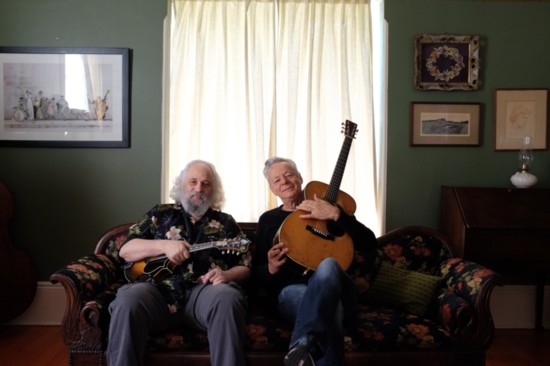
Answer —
(218, 194)
(274, 160)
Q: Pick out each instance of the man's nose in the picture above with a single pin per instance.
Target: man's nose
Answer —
(199, 187)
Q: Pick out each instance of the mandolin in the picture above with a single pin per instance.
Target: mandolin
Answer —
(310, 241)
(157, 268)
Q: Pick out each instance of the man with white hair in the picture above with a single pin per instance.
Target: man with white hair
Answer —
(202, 292)
(319, 304)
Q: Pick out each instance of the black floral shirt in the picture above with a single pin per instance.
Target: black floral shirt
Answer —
(170, 221)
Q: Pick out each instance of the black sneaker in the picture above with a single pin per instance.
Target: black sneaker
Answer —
(299, 356)
(302, 354)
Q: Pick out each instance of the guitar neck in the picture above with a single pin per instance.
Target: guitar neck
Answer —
(334, 186)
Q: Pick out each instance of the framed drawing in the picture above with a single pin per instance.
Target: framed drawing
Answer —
(446, 62)
(519, 113)
(64, 97)
(444, 124)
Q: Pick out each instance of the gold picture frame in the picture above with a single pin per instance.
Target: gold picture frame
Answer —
(446, 62)
(519, 113)
(445, 124)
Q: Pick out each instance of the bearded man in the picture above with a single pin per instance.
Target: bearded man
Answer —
(202, 292)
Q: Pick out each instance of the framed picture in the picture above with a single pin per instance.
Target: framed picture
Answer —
(64, 97)
(446, 62)
(520, 113)
(445, 124)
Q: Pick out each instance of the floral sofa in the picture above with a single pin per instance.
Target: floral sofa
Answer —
(449, 323)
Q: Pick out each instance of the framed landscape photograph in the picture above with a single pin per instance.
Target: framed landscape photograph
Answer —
(64, 97)
(446, 62)
(444, 124)
(520, 113)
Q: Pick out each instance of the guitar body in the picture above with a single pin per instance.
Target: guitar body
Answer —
(310, 241)
(319, 189)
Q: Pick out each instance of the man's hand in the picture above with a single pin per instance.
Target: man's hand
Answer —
(214, 276)
(276, 257)
(177, 250)
(318, 209)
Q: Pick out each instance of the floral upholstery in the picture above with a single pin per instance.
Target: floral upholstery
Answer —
(97, 277)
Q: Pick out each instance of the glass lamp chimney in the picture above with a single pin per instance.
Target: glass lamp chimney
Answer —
(526, 156)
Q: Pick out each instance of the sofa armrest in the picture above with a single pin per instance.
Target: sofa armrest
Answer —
(90, 284)
(465, 306)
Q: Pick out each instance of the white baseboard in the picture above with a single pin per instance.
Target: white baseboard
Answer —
(511, 306)
(47, 307)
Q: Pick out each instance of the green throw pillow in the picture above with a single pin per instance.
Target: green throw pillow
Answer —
(409, 291)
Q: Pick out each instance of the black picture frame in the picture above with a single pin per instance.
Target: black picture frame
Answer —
(64, 97)
(446, 62)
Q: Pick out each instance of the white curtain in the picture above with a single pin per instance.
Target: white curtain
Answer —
(249, 79)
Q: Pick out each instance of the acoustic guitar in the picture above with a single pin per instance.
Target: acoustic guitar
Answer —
(310, 241)
(158, 268)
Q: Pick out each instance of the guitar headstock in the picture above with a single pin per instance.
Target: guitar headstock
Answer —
(235, 245)
(349, 128)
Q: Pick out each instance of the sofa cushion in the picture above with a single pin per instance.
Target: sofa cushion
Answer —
(410, 291)
(375, 328)
(421, 253)
(379, 328)
(263, 334)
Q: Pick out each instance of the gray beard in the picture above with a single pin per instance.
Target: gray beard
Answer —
(197, 210)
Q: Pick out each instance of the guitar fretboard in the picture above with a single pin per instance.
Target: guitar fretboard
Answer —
(334, 187)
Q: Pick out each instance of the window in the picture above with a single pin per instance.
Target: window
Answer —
(250, 79)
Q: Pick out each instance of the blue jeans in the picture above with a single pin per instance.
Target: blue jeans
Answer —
(320, 308)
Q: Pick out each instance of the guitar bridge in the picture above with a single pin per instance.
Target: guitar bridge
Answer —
(320, 233)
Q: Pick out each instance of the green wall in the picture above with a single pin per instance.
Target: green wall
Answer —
(66, 198)
(515, 53)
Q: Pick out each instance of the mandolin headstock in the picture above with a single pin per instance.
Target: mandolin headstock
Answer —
(236, 245)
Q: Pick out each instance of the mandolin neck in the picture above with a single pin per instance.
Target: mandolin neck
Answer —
(202, 246)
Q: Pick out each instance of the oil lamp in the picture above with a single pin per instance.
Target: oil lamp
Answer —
(523, 178)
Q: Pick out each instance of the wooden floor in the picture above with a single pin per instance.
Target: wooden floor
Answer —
(42, 346)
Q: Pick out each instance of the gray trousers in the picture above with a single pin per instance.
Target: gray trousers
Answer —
(139, 310)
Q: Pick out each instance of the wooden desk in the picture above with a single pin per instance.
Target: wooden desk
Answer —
(505, 229)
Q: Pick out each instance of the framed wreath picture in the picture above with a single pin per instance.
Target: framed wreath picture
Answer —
(446, 62)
